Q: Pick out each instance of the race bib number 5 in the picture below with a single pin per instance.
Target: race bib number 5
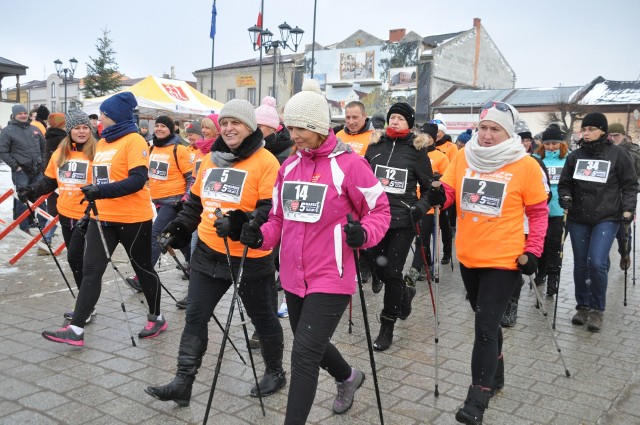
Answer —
(592, 170)
(303, 201)
(484, 197)
(224, 184)
(393, 180)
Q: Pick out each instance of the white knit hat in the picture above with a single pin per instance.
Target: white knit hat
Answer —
(308, 109)
(240, 109)
(505, 119)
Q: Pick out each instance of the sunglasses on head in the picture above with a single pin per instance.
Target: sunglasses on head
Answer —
(500, 106)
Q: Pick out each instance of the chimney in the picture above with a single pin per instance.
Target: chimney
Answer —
(478, 29)
(396, 35)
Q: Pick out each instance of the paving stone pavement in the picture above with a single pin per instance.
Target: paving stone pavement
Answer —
(46, 383)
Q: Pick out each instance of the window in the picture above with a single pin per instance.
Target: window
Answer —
(53, 106)
(251, 95)
(231, 94)
(53, 90)
(212, 94)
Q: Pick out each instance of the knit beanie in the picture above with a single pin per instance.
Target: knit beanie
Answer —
(431, 130)
(405, 110)
(377, 121)
(214, 118)
(17, 109)
(308, 109)
(266, 113)
(56, 120)
(522, 129)
(194, 128)
(553, 133)
(42, 113)
(616, 128)
(76, 117)
(143, 124)
(596, 119)
(167, 122)
(439, 120)
(505, 119)
(95, 117)
(242, 110)
(119, 107)
(466, 136)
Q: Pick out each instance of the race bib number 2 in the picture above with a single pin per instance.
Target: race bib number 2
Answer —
(224, 184)
(303, 201)
(484, 197)
(393, 180)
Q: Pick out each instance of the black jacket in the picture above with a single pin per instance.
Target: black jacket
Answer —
(594, 202)
(22, 145)
(52, 139)
(408, 153)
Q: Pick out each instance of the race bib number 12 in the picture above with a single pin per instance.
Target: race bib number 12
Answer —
(393, 180)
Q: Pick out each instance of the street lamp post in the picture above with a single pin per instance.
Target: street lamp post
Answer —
(73, 63)
(288, 36)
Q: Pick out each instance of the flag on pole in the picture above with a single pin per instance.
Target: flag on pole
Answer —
(214, 13)
(259, 24)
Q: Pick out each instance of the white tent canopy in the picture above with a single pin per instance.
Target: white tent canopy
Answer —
(160, 95)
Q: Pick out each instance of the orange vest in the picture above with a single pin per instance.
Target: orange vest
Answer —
(166, 178)
(358, 142)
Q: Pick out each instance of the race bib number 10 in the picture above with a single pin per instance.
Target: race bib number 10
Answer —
(224, 184)
(393, 180)
(303, 201)
(484, 197)
(592, 170)
(73, 172)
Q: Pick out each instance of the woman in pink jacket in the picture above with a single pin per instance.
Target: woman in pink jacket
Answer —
(315, 190)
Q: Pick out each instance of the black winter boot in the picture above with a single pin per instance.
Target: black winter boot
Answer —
(498, 378)
(552, 284)
(407, 297)
(540, 279)
(473, 410)
(385, 337)
(510, 316)
(190, 354)
(274, 377)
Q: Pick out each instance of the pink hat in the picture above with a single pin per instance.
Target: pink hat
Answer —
(214, 118)
(266, 113)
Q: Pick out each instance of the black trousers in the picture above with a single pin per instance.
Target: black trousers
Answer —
(426, 233)
(74, 240)
(313, 320)
(550, 261)
(489, 291)
(394, 247)
(136, 240)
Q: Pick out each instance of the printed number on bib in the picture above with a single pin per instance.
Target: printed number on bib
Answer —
(394, 180)
(73, 172)
(158, 170)
(554, 174)
(223, 184)
(303, 201)
(483, 197)
(592, 170)
(101, 174)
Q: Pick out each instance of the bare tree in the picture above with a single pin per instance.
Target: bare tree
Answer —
(567, 112)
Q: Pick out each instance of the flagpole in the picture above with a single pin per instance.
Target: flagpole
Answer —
(213, 48)
(260, 68)
(313, 45)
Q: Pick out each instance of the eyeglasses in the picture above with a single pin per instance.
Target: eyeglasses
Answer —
(551, 142)
(500, 106)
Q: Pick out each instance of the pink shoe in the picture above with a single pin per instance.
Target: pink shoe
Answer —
(154, 327)
(65, 335)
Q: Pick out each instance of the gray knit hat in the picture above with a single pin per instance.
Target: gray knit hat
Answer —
(17, 109)
(76, 117)
(241, 110)
(308, 109)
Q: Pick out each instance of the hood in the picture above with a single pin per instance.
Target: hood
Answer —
(419, 140)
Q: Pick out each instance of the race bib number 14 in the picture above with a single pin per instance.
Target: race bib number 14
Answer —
(303, 201)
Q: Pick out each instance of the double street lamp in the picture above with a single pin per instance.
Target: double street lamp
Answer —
(264, 38)
(73, 63)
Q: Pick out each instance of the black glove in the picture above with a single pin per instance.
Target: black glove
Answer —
(251, 236)
(436, 177)
(530, 265)
(175, 234)
(231, 224)
(26, 193)
(416, 213)
(565, 202)
(178, 206)
(625, 220)
(356, 235)
(83, 224)
(436, 196)
(91, 192)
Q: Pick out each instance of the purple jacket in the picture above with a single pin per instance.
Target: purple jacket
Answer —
(314, 256)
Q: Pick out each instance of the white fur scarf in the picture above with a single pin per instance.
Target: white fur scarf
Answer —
(489, 159)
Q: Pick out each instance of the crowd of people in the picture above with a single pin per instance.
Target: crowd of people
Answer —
(249, 186)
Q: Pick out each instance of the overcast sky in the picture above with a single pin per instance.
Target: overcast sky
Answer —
(546, 42)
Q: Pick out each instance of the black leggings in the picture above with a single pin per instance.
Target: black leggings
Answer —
(394, 247)
(313, 320)
(74, 240)
(426, 230)
(136, 240)
(549, 263)
(489, 291)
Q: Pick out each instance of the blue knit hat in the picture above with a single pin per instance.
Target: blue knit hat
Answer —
(120, 107)
(465, 137)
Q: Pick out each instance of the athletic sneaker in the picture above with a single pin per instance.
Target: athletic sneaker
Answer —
(283, 311)
(65, 335)
(69, 316)
(134, 283)
(346, 391)
(154, 327)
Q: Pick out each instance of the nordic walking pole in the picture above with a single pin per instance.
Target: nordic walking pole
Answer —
(436, 279)
(225, 335)
(350, 314)
(366, 327)
(634, 251)
(92, 207)
(627, 233)
(546, 318)
(33, 214)
(564, 235)
(172, 253)
(423, 255)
